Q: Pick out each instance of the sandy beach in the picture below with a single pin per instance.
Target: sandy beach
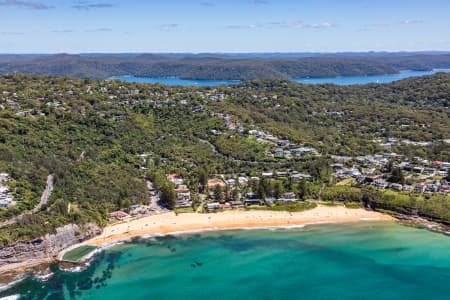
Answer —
(234, 219)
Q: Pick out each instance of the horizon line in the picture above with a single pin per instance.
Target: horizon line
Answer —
(228, 52)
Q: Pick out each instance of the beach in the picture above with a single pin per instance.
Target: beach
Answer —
(171, 223)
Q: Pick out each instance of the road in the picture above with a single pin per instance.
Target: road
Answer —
(46, 194)
(155, 202)
(44, 199)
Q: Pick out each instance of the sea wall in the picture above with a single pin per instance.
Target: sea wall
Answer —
(47, 247)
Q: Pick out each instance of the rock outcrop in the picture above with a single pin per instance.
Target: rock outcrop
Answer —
(48, 246)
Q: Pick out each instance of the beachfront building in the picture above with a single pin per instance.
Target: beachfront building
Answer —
(183, 197)
(212, 183)
(119, 215)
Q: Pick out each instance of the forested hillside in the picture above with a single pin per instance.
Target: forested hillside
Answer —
(221, 67)
(92, 135)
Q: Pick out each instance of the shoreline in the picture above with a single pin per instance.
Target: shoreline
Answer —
(172, 224)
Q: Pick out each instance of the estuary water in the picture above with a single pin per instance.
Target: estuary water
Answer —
(364, 260)
(344, 80)
(351, 80)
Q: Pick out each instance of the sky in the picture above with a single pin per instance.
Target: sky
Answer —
(74, 26)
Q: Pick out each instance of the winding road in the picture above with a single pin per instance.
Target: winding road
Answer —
(44, 200)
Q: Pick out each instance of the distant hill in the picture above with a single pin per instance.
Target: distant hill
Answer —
(222, 66)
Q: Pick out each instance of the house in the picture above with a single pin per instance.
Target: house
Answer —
(431, 188)
(225, 206)
(250, 202)
(337, 166)
(237, 204)
(408, 188)
(183, 193)
(445, 165)
(437, 163)
(445, 189)
(267, 174)
(429, 171)
(278, 152)
(287, 154)
(230, 181)
(341, 158)
(216, 132)
(283, 143)
(183, 203)
(175, 179)
(301, 176)
(420, 188)
(243, 181)
(303, 151)
(381, 184)
(396, 186)
(407, 167)
(5, 203)
(442, 173)
(119, 215)
(213, 206)
(281, 174)
(417, 170)
(212, 183)
(251, 195)
(390, 155)
(288, 197)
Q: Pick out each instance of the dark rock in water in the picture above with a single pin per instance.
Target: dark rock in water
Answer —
(111, 258)
(85, 284)
(165, 238)
(199, 263)
(57, 296)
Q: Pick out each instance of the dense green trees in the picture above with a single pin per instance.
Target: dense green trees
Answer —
(102, 140)
(397, 176)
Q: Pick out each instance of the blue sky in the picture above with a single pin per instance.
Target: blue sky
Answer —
(73, 26)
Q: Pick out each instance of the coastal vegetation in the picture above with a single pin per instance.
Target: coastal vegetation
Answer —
(103, 140)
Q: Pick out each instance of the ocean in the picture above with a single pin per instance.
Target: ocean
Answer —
(366, 260)
(344, 80)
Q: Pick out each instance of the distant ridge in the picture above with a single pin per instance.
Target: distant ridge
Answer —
(223, 66)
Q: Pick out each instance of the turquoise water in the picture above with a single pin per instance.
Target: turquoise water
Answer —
(348, 261)
(346, 80)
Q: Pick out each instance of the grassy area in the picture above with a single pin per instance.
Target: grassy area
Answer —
(290, 207)
(347, 181)
(353, 204)
(330, 203)
(76, 254)
(184, 210)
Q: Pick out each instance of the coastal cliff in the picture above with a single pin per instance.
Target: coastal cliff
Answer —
(29, 253)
